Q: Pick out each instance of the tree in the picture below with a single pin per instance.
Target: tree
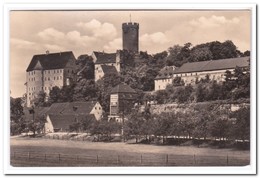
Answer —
(200, 54)
(173, 53)
(40, 100)
(36, 125)
(85, 67)
(85, 90)
(134, 125)
(17, 123)
(241, 129)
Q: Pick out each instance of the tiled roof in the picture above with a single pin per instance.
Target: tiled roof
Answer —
(222, 64)
(166, 72)
(38, 112)
(51, 60)
(63, 122)
(105, 57)
(73, 107)
(122, 88)
(109, 69)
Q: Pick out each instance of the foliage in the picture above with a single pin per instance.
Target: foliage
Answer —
(16, 116)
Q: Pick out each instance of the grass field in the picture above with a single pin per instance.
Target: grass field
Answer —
(47, 152)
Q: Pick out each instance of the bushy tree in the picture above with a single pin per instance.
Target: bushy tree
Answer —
(17, 122)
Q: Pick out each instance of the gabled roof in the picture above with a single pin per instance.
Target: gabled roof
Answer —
(51, 60)
(166, 72)
(38, 112)
(64, 121)
(105, 57)
(122, 88)
(221, 64)
(72, 108)
(109, 69)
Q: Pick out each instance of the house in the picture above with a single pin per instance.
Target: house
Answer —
(62, 123)
(102, 59)
(190, 72)
(164, 78)
(122, 100)
(46, 71)
(61, 115)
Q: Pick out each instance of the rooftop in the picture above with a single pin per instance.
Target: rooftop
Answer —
(221, 64)
(50, 61)
(105, 57)
(109, 69)
(72, 107)
(122, 88)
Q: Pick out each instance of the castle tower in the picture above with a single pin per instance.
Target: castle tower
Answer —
(131, 36)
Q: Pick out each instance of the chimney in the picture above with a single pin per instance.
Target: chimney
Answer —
(47, 52)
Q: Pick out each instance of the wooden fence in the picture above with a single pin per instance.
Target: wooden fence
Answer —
(33, 159)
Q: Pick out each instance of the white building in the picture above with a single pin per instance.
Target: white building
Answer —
(102, 59)
(190, 72)
(61, 115)
(46, 71)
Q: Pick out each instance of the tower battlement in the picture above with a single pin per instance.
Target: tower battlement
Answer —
(130, 24)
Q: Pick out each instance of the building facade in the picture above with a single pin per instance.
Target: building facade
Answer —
(122, 98)
(130, 36)
(106, 63)
(46, 71)
(60, 116)
(190, 72)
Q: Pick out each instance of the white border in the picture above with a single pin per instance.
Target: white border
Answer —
(127, 170)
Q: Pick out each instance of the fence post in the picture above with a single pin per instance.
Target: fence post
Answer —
(117, 159)
(97, 158)
(227, 160)
(28, 155)
(194, 159)
(141, 159)
(167, 159)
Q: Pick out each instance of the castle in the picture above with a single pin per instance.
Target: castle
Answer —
(48, 70)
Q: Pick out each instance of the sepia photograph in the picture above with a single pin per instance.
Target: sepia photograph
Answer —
(134, 88)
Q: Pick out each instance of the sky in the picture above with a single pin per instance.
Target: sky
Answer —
(35, 32)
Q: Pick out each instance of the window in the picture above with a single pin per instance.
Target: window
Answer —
(45, 88)
(60, 71)
(48, 71)
(99, 108)
(57, 71)
(190, 74)
(95, 108)
(29, 79)
(49, 78)
(45, 78)
(54, 71)
(33, 72)
(60, 77)
(68, 71)
(54, 78)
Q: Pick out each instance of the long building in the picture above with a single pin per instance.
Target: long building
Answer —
(46, 71)
(190, 72)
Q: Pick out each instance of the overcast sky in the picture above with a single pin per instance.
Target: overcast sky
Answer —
(34, 32)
